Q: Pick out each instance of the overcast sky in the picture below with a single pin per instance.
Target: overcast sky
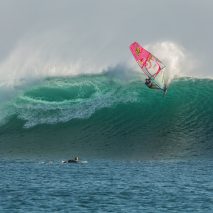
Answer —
(90, 28)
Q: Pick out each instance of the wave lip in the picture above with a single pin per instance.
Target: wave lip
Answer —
(61, 100)
(57, 100)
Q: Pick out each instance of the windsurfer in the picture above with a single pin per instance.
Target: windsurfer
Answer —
(148, 82)
(151, 66)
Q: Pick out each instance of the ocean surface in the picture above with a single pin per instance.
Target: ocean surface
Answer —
(145, 152)
(107, 186)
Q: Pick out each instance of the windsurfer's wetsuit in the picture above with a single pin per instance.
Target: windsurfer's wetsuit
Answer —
(148, 82)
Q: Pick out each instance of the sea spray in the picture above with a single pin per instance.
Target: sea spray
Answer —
(178, 61)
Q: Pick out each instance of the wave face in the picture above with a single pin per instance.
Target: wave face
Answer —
(110, 114)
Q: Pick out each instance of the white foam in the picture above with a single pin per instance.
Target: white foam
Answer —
(38, 58)
(176, 58)
(49, 56)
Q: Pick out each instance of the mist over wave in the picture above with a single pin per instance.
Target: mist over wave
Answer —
(56, 55)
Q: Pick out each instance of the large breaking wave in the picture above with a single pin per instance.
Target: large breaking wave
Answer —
(114, 113)
(97, 108)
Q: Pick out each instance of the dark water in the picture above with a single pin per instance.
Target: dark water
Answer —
(145, 152)
(107, 186)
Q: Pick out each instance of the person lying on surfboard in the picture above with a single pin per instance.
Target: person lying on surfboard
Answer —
(75, 160)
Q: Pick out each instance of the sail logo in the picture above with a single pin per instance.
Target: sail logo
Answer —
(138, 51)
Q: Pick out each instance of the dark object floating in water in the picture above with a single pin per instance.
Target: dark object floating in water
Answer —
(75, 160)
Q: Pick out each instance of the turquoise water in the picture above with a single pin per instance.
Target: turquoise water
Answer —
(146, 152)
(107, 186)
(108, 115)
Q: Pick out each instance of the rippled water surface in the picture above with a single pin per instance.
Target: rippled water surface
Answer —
(106, 186)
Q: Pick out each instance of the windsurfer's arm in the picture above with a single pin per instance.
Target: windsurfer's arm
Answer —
(154, 87)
